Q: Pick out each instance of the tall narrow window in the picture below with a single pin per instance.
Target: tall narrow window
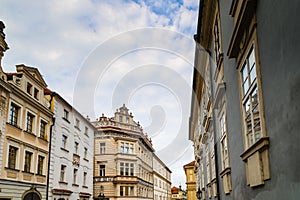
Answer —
(14, 114)
(62, 173)
(120, 119)
(223, 141)
(102, 148)
(85, 153)
(122, 168)
(64, 142)
(12, 157)
(126, 169)
(43, 125)
(76, 147)
(75, 176)
(27, 163)
(29, 122)
(66, 114)
(29, 88)
(122, 147)
(126, 148)
(102, 170)
(40, 165)
(86, 131)
(217, 39)
(77, 124)
(131, 149)
(84, 178)
(36, 93)
(251, 115)
(131, 169)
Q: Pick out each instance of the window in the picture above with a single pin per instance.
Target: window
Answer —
(223, 141)
(126, 190)
(62, 173)
(217, 38)
(126, 169)
(131, 169)
(251, 115)
(131, 149)
(43, 129)
(64, 141)
(40, 165)
(102, 148)
(14, 114)
(36, 93)
(66, 114)
(27, 163)
(86, 131)
(75, 176)
(85, 152)
(126, 148)
(29, 88)
(12, 157)
(84, 178)
(127, 120)
(102, 170)
(29, 122)
(76, 147)
(77, 124)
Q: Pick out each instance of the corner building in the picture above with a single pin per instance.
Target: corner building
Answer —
(123, 158)
(245, 110)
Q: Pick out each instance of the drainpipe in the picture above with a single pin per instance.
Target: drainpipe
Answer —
(49, 154)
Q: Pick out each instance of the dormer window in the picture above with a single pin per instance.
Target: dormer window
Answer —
(127, 120)
(29, 88)
(120, 119)
(36, 93)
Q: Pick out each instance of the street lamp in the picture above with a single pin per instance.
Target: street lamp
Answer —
(199, 194)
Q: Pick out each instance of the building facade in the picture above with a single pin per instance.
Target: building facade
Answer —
(72, 149)
(189, 170)
(162, 179)
(178, 193)
(123, 158)
(244, 101)
(25, 140)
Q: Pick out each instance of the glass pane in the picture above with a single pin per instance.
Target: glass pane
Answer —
(244, 72)
(253, 73)
(246, 86)
(251, 58)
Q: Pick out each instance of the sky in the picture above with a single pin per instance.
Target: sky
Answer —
(99, 54)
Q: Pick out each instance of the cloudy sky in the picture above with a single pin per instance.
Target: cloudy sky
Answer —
(99, 54)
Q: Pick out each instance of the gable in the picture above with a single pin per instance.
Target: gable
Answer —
(32, 73)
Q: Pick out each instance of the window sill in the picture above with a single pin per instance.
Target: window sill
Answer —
(30, 133)
(75, 185)
(62, 182)
(77, 128)
(11, 169)
(66, 150)
(28, 173)
(86, 159)
(66, 120)
(15, 126)
(43, 139)
(257, 163)
(225, 171)
(84, 186)
(259, 146)
(41, 175)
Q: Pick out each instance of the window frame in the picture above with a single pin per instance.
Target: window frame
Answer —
(40, 165)
(14, 116)
(31, 124)
(12, 160)
(102, 168)
(43, 129)
(27, 161)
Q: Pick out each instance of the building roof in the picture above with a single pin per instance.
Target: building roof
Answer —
(190, 164)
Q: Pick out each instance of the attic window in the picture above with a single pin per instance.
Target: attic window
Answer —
(29, 88)
(36, 93)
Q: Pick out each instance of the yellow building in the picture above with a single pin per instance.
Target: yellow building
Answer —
(123, 158)
(189, 170)
(25, 140)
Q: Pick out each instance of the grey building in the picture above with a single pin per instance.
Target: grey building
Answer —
(244, 115)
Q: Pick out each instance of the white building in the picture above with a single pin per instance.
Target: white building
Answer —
(72, 146)
(162, 180)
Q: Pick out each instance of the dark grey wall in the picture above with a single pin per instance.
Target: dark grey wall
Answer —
(278, 33)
